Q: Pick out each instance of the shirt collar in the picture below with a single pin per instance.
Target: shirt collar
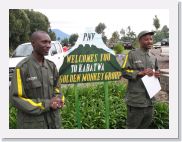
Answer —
(144, 52)
(36, 63)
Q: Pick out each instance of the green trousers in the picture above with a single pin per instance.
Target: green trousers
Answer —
(139, 117)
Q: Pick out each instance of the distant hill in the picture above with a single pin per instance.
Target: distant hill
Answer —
(60, 35)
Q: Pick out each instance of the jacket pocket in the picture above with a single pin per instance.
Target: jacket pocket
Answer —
(136, 97)
(33, 84)
(34, 89)
(33, 122)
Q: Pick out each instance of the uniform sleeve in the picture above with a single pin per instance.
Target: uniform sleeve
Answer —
(128, 70)
(57, 85)
(19, 98)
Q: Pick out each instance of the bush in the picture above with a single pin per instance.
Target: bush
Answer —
(118, 48)
(12, 117)
(161, 116)
(92, 108)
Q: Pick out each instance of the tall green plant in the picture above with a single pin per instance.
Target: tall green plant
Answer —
(161, 116)
(92, 108)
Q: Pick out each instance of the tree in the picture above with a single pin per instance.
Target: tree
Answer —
(104, 38)
(165, 31)
(23, 22)
(38, 21)
(100, 30)
(129, 35)
(122, 32)
(52, 35)
(118, 48)
(19, 28)
(161, 34)
(65, 41)
(72, 39)
(114, 39)
(156, 22)
(129, 29)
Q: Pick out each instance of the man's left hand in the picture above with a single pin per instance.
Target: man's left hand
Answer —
(157, 74)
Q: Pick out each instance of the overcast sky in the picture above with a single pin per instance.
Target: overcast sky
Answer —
(76, 20)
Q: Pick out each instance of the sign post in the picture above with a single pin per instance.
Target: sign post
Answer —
(106, 104)
(90, 60)
(77, 103)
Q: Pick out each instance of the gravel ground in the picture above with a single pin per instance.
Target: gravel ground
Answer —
(163, 64)
(162, 96)
(163, 61)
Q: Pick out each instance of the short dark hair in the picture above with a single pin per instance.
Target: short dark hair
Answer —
(35, 34)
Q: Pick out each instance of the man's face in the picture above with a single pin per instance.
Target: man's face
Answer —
(42, 44)
(146, 41)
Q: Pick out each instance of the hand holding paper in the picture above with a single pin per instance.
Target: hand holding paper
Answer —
(151, 84)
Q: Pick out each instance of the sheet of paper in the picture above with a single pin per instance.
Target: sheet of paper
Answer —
(152, 85)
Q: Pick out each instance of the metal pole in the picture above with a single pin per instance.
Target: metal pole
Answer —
(106, 104)
(77, 103)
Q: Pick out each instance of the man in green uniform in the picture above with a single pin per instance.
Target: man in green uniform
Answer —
(34, 90)
(138, 63)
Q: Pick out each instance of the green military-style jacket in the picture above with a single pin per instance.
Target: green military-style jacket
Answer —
(136, 61)
(32, 87)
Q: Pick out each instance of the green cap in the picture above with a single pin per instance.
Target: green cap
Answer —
(143, 33)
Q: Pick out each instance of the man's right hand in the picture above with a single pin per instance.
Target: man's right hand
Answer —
(146, 71)
(55, 103)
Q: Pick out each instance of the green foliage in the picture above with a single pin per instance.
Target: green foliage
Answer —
(161, 34)
(65, 41)
(104, 38)
(127, 35)
(156, 22)
(72, 39)
(114, 39)
(38, 21)
(92, 108)
(118, 48)
(12, 117)
(161, 116)
(23, 22)
(165, 31)
(100, 28)
(52, 35)
(19, 27)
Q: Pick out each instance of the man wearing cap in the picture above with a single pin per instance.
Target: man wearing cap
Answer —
(138, 63)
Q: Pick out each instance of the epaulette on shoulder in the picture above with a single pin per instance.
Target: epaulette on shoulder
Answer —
(131, 51)
(49, 61)
(152, 53)
(22, 62)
